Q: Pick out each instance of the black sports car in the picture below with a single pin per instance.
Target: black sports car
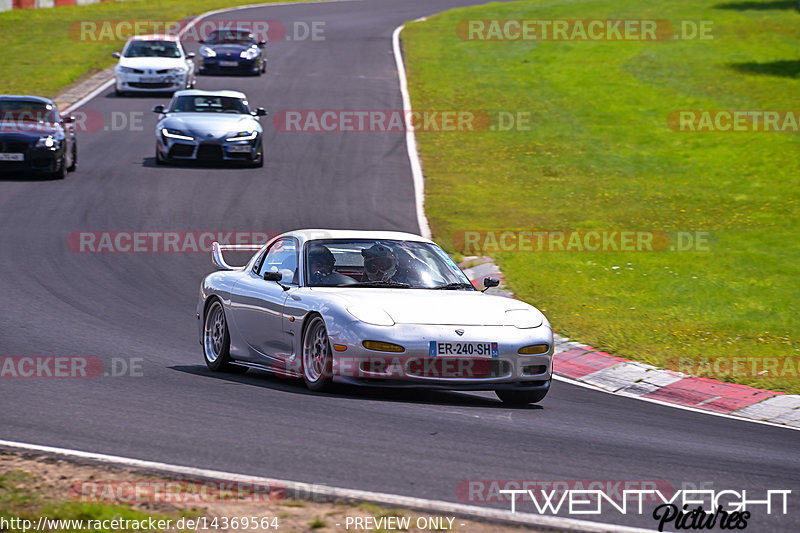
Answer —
(34, 136)
(234, 51)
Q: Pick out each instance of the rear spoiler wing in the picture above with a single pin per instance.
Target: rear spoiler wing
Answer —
(217, 249)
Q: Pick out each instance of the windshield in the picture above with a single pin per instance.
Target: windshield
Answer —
(29, 111)
(384, 263)
(152, 49)
(209, 104)
(230, 36)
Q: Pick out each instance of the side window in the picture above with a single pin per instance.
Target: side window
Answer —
(281, 257)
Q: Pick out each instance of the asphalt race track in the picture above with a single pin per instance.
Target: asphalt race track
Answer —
(56, 302)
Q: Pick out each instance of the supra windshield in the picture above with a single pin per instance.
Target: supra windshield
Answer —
(384, 263)
(209, 104)
(152, 49)
(230, 36)
(27, 111)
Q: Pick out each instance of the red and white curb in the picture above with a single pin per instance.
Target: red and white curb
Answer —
(586, 365)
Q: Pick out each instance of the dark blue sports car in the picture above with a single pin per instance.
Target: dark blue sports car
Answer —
(233, 51)
(35, 137)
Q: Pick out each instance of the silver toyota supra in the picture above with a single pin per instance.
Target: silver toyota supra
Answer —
(209, 126)
(369, 308)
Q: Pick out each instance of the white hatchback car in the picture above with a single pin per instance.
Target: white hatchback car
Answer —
(154, 63)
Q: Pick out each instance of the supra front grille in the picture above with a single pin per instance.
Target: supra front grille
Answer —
(181, 150)
(210, 151)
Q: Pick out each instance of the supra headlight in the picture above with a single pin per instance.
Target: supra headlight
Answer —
(48, 142)
(171, 133)
(371, 315)
(250, 53)
(243, 136)
(207, 51)
(524, 318)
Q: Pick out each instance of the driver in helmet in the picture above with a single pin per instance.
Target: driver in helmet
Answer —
(381, 264)
(320, 267)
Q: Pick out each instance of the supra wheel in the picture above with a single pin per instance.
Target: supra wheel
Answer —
(317, 358)
(217, 341)
(159, 159)
(74, 166)
(259, 163)
(521, 397)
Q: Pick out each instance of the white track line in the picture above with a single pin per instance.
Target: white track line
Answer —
(315, 492)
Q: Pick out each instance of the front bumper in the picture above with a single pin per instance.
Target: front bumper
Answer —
(157, 83)
(33, 159)
(211, 151)
(231, 65)
(416, 367)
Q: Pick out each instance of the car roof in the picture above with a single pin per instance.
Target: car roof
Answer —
(305, 235)
(198, 92)
(155, 37)
(21, 97)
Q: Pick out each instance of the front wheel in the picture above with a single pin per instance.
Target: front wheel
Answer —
(74, 165)
(217, 341)
(317, 359)
(521, 397)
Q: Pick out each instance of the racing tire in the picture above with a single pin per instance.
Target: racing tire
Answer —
(258, 163)
(61, 173)
(317, 358)
(521, 397)
(217, 341)
(74, 166)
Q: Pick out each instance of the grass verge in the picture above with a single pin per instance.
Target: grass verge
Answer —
(600, 155)
(43, 51)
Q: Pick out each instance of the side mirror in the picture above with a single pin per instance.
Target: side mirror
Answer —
(261, 43)
(261, 112)
(190, 55)
(158, 109)
(272, 276)
(67, 119)
(488, 283)
(116, 54)
(202, 41)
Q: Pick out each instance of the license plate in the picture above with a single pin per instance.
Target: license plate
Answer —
(229, 63)
(12, 157)
(150, 80)
(239, 148)
(476, 349)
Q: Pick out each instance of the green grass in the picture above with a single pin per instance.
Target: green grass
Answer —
(42, 53)
(19, 499)
(600, 155)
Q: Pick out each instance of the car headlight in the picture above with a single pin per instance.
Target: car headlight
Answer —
(243, 136)
(48, 142)
(126, 70)
(171, 133)
(250, 54)
(524, 318)
(206, 51)
(371, 315)
(177, 70)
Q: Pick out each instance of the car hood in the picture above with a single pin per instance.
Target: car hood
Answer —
(434, 307)
(229, 48)
(210, 125)
(156, 63)
(26, 130)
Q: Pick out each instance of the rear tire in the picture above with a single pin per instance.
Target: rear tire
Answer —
(317, 358)
(217, 341)
(521, 397)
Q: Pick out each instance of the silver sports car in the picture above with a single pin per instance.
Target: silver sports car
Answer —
(210, 126)
(370, 308)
